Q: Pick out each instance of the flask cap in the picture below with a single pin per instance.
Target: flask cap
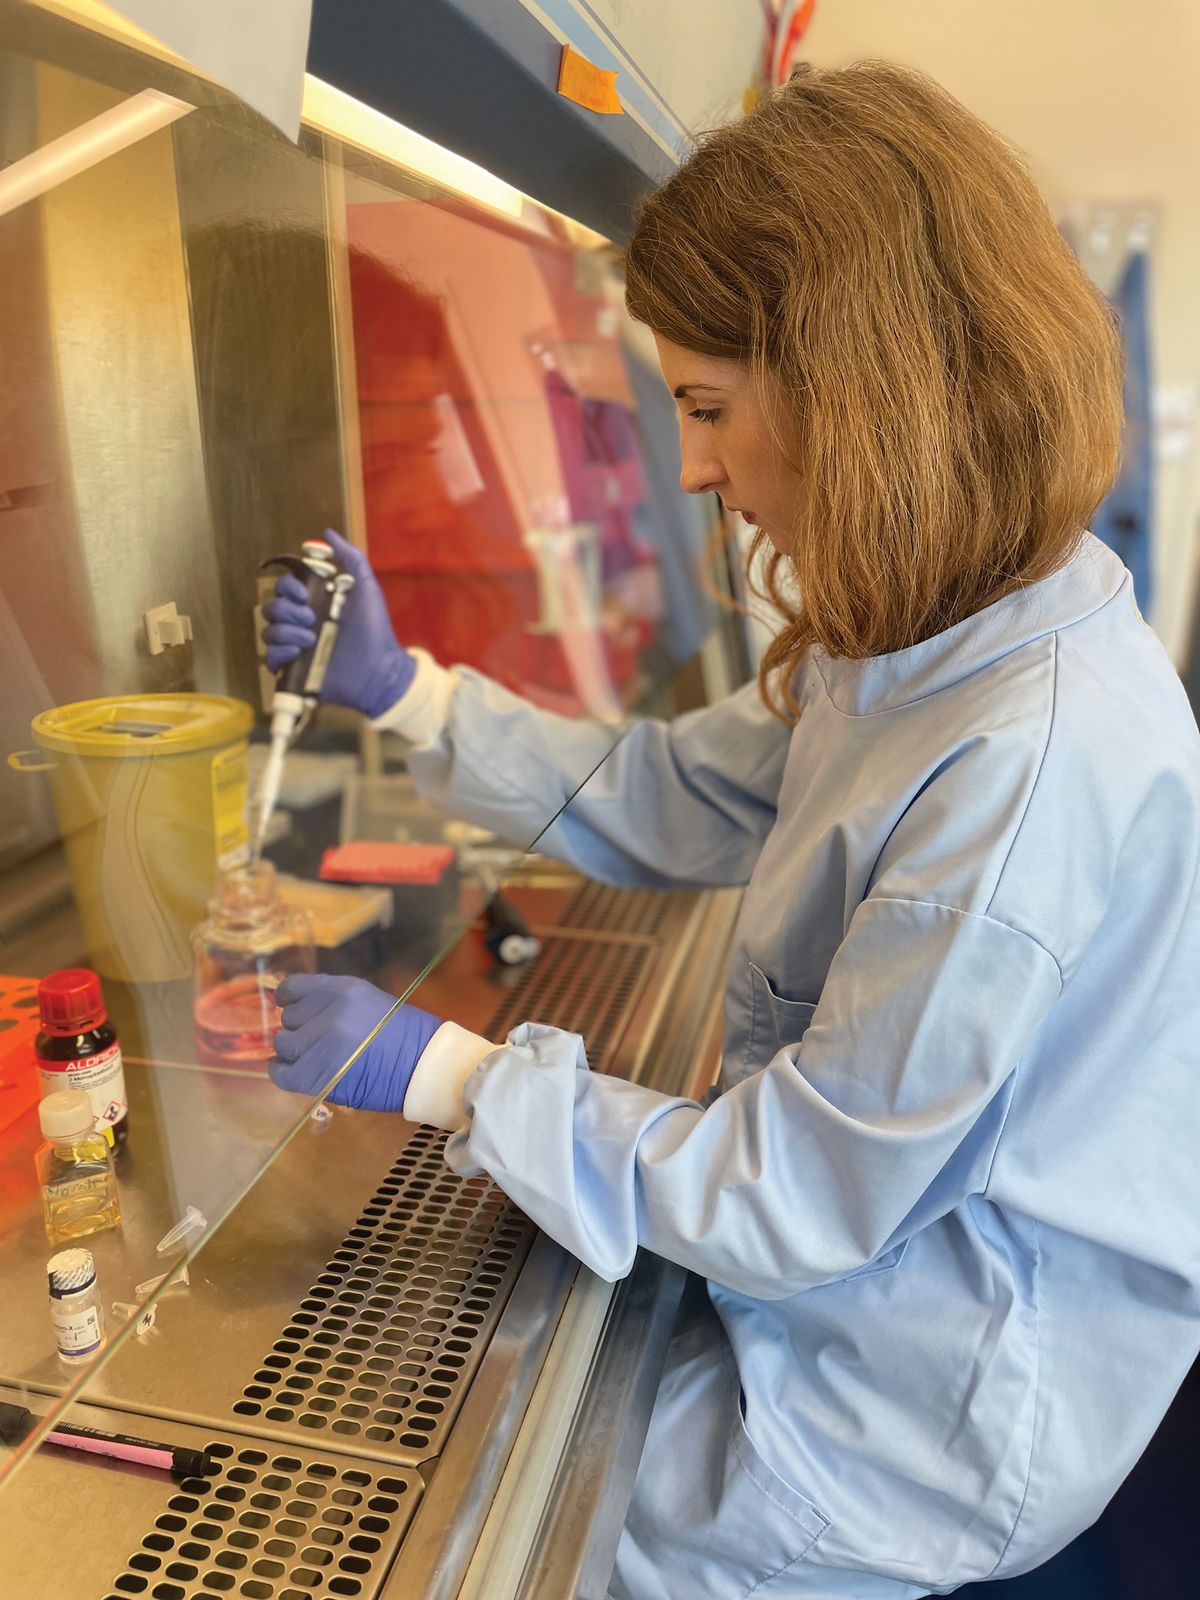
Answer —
(65, 1112)
(70, 1001)
(69, 1271)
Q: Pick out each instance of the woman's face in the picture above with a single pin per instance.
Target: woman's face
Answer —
(726, 440)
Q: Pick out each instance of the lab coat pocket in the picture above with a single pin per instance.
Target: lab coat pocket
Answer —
(774, 1021)
(708, 1516)
(782, 1524)
(884, 1263)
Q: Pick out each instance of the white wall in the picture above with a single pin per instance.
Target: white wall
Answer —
(1104, 98)
(701, 55)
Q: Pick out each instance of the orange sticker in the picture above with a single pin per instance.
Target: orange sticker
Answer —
(588, 85)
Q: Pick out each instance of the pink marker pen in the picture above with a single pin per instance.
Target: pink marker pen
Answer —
(17, 1421)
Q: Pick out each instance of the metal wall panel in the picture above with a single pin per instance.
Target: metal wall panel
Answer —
(254, 234)
(122, 351)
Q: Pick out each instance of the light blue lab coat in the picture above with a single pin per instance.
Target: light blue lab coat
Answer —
(948, 1200)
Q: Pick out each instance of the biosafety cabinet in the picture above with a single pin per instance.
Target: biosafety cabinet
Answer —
(216, 343)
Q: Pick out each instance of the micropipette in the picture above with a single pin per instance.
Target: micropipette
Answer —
(298, 685)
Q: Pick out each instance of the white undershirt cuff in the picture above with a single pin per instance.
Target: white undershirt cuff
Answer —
(422, 711)
(435, 1090)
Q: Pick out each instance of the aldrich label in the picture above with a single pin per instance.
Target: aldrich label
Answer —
(101, 1077)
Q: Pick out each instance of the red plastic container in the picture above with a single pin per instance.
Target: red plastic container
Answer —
(19, 1027)
(369, 861)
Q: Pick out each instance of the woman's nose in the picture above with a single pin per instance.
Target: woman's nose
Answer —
(701, 472)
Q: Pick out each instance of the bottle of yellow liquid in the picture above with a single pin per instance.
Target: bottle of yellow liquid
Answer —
(75, 1170)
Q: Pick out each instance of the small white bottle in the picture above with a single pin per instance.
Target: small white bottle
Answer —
(76, 1312)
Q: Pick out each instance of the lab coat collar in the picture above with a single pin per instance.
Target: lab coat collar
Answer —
(881, 683)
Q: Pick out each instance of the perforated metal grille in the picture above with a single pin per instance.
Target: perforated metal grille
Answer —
(608, 910)
(383, 1346)
(270, 1526)
(587, 984)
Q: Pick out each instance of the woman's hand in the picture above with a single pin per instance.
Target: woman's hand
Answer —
(369, 670)
(325, 1019)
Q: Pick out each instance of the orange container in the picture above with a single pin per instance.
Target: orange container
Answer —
(19, 1024)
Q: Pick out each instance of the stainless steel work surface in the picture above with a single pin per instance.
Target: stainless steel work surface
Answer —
(384, 1344)
(199, 1137)
(361, 1311)
(181, 1152)
(287, 1523)
(297, 1325)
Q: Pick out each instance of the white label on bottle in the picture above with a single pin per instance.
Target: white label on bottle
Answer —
(101, 1077)
(77, 1331)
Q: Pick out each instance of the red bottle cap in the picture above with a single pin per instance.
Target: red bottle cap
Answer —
(70, 1001)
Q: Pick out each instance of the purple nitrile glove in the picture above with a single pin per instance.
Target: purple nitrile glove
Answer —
(369, 670)
(324, 1021)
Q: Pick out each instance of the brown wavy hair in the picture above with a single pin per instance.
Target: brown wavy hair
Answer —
(951, 379)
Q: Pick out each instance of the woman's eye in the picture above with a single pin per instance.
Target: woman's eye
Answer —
(704, 416)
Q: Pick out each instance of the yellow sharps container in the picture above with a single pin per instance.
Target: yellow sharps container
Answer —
(150, 792)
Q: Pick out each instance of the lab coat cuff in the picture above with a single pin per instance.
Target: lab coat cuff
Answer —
(422, 711)
(435, 1090)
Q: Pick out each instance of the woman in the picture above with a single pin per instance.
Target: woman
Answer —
(946, 1201)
